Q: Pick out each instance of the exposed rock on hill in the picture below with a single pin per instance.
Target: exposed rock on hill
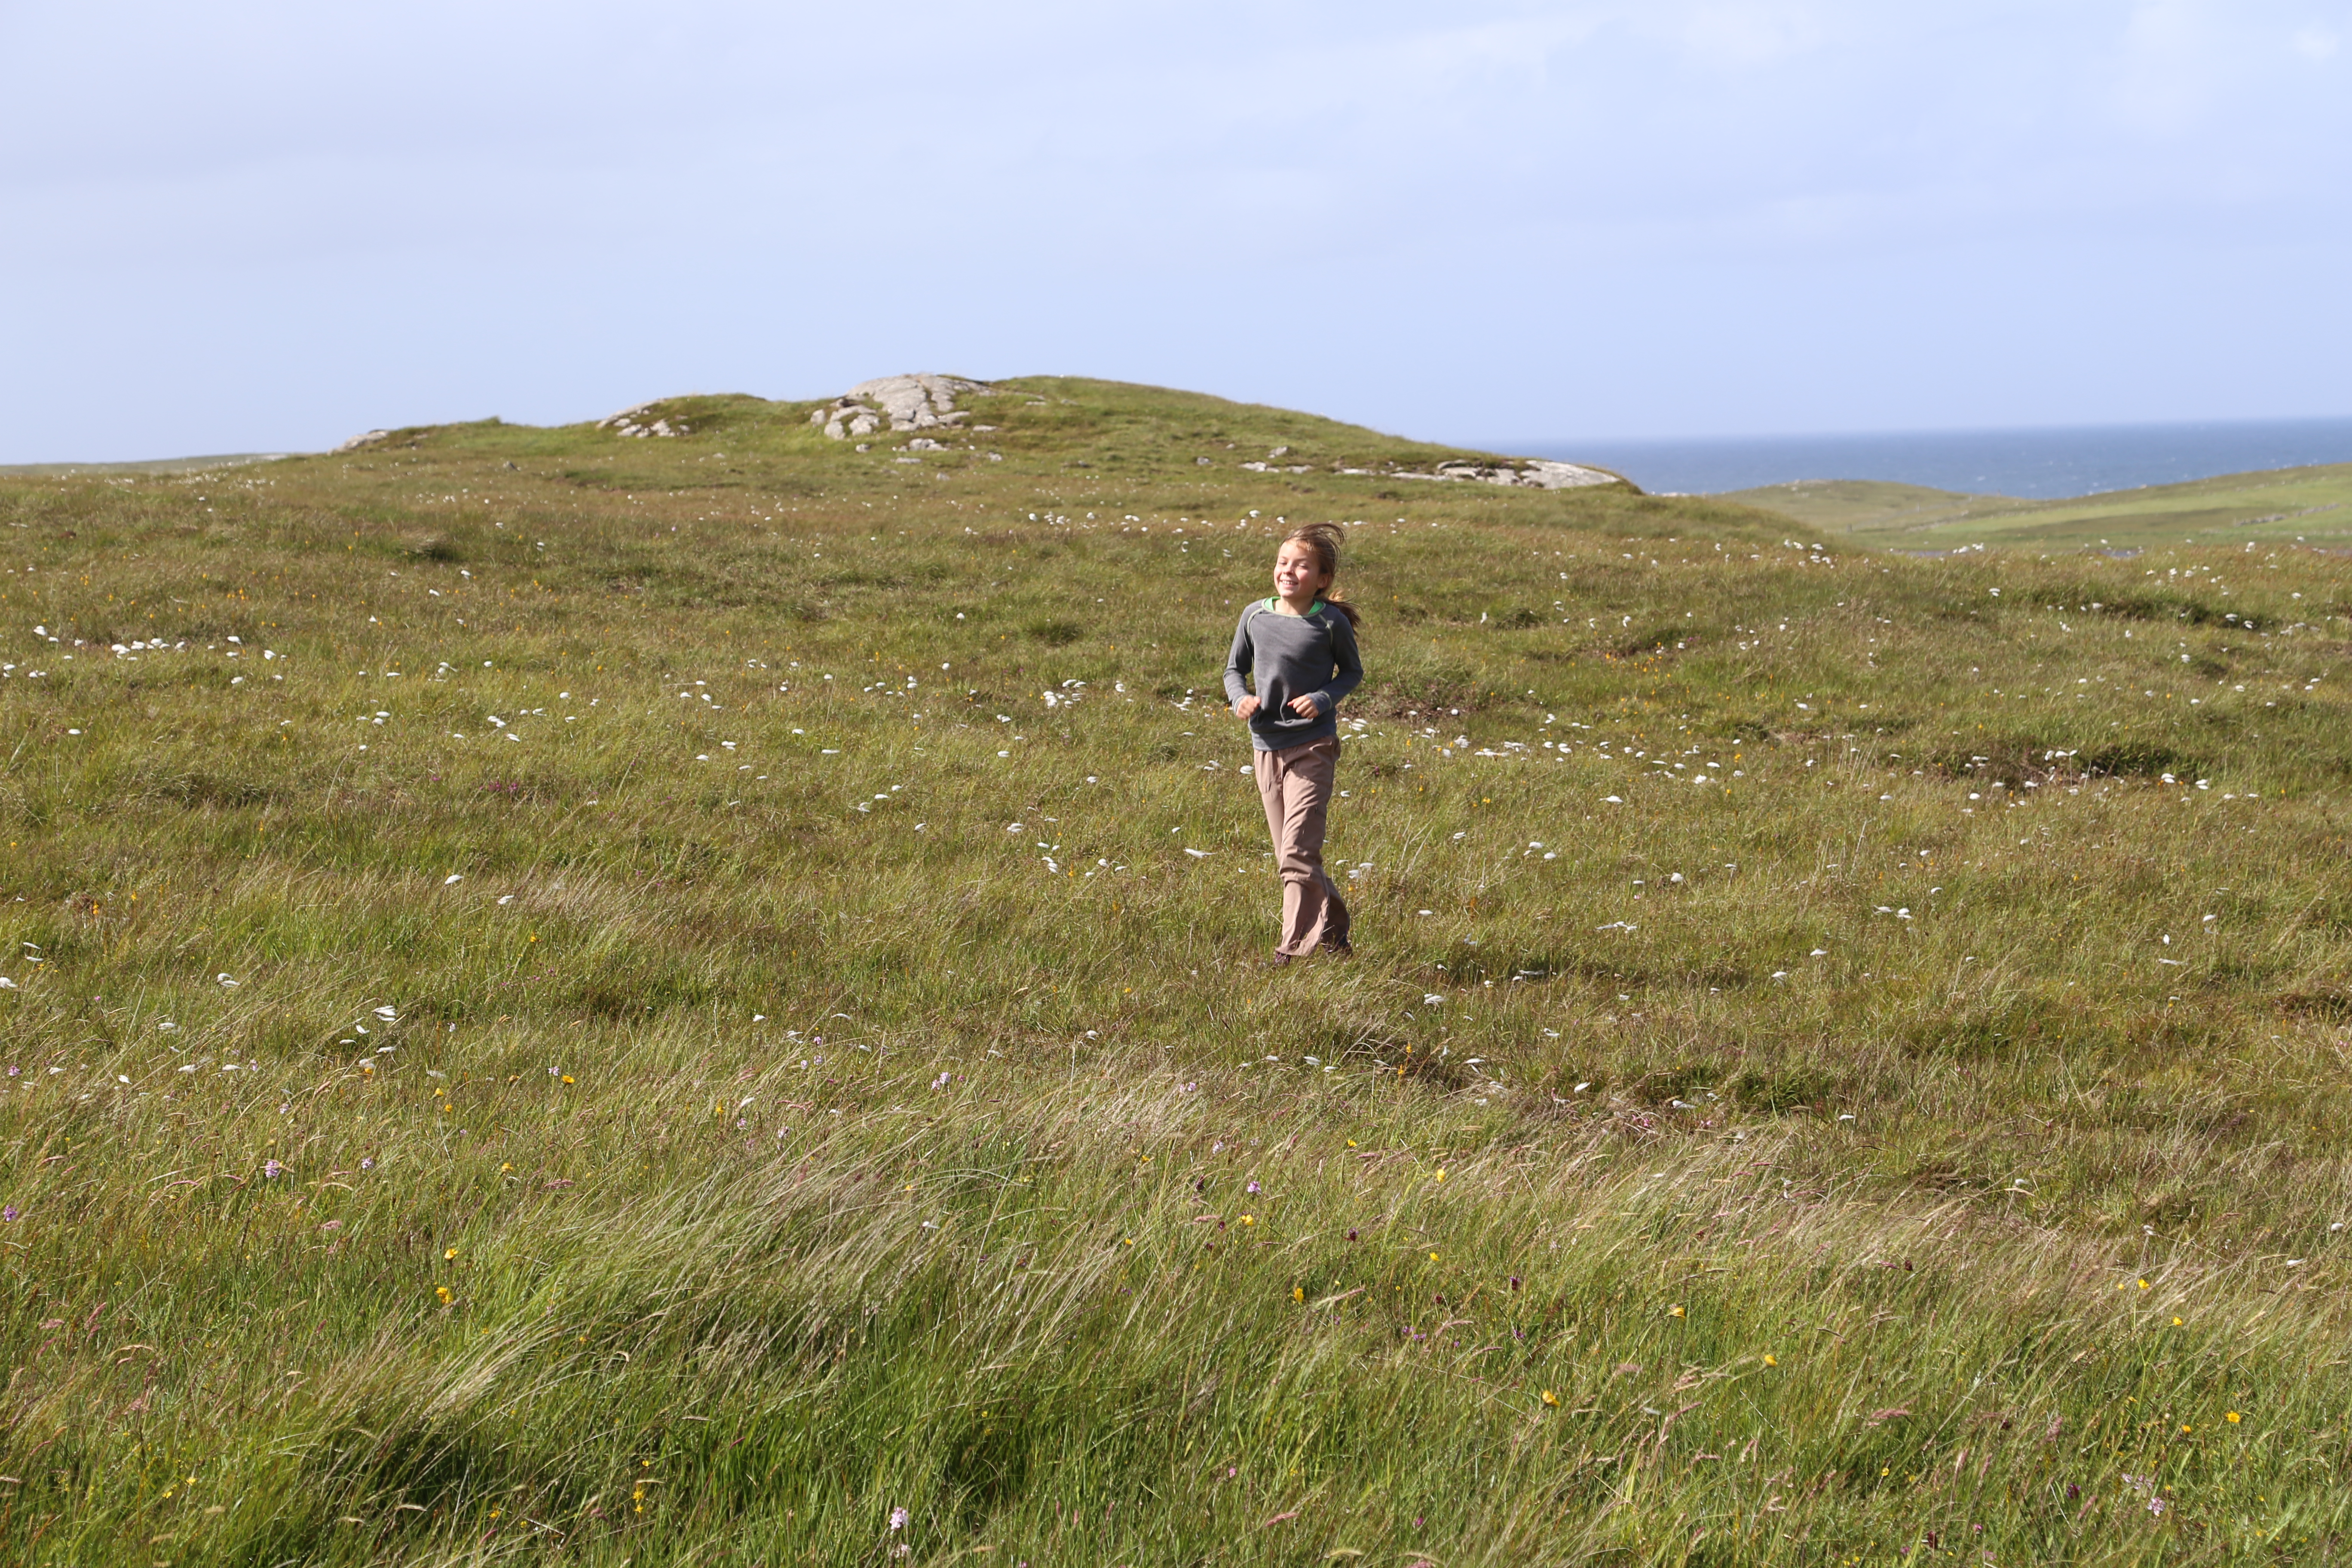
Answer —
(1535, 473)
(1539, 473)
(633, 422)
(905, 402)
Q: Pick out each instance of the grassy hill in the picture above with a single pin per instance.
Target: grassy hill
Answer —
(579, 998)
(2311, 505)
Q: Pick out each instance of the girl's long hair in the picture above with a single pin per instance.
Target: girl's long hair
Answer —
(1323, 538)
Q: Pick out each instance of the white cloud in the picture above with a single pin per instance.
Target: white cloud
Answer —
(2165, 78)
(1751, 34)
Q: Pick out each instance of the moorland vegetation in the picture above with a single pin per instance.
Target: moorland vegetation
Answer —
(588, 998)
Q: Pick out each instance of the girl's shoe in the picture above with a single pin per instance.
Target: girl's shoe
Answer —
(1337, 949)
(1276, 960)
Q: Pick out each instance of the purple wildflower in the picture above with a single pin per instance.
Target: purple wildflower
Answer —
(10, 1214)
(1252, 1187)
(368, 1164)
(271, 1169)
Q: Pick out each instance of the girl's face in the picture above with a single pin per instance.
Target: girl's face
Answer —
(1298, 576)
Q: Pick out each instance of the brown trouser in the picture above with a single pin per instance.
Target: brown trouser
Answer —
(1296, 785)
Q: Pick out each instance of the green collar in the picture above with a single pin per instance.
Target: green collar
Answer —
(1314, 609)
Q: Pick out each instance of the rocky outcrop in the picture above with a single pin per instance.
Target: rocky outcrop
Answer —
(633, 422)
(903, 402)
(1545, 474)
(1536, 473)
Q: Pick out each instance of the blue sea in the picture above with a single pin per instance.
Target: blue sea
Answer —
(2039, 465)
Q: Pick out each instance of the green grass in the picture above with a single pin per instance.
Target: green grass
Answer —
(1873, 506)
(2304, 506)
(155, 469)
(823, 1078)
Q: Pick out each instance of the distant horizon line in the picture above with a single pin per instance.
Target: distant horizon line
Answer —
(1916, 433)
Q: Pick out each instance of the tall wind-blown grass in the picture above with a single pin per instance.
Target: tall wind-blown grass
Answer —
(579, 999)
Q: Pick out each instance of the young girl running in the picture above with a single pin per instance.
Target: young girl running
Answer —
(1299, 650)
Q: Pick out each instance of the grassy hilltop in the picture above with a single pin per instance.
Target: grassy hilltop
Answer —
(2302, 506)
(581, 998)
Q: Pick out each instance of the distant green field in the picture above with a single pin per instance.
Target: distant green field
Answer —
(158, 466)
(570, 999)
(2312, 505)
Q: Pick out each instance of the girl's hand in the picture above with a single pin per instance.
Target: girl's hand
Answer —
(1246, 707)
(1303, 706)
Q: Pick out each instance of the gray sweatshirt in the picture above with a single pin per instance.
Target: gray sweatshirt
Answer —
(1292, 656)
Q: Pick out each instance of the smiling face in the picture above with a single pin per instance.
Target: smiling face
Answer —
(1298, 576)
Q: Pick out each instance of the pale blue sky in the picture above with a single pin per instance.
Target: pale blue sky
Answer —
(259, 224)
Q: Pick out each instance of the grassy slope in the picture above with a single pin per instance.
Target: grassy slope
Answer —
(2310, 505)
(1851, 505)
(821, 1080)
(18, 473)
